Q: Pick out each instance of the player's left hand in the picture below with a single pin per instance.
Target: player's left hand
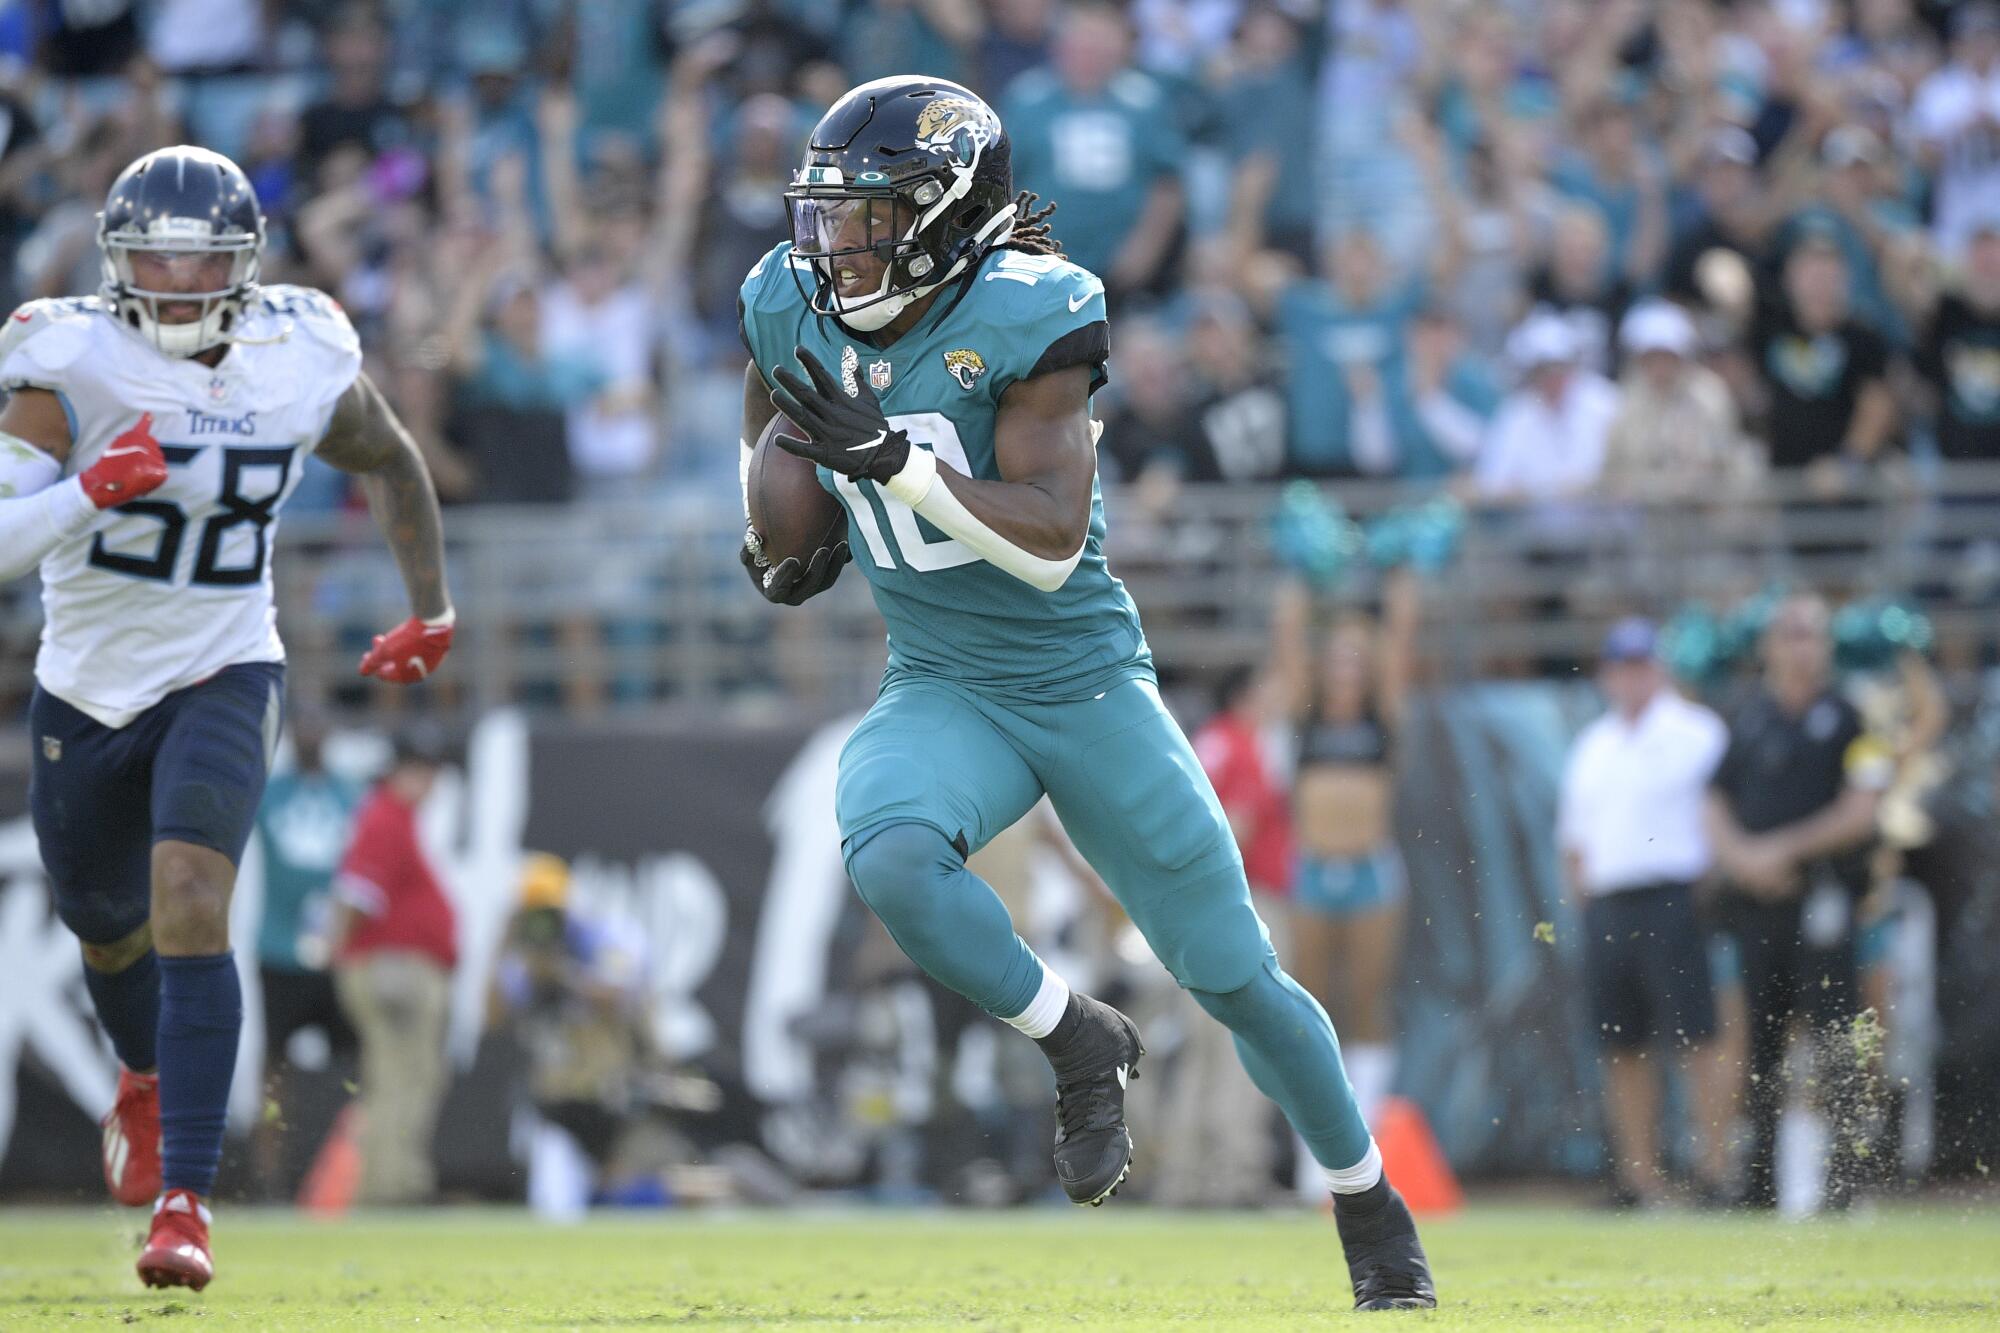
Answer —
(792, 581)
(849, 434)
(408, 653)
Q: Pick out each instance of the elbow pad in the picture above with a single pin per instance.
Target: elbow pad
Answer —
(917, 486)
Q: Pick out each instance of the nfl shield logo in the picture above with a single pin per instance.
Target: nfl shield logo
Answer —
(52, 748)
(218, 388)
(878, 375)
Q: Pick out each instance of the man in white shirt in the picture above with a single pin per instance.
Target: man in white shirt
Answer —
(1546, 443)
(1956, 123)
(1633, 845)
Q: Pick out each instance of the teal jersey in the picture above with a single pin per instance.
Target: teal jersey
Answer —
(303, 827)
(1096, 157)
(949, 613)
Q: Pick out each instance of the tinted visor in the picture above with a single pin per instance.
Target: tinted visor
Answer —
(195, 273)
(847, 224)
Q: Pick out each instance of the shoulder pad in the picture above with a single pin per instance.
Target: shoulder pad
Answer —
(769, 284)
(308, 311)
(771, 303)
(1028, 289)
(1030, 305)
(45, 338)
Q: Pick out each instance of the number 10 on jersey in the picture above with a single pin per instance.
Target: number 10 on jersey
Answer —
(919, 553)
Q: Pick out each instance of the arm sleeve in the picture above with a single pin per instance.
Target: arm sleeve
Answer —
(917, 486)
(39, 508)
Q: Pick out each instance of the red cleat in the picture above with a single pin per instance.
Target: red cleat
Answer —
(132, 1140)
(176, 1253)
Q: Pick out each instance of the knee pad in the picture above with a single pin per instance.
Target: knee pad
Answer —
(901, 869)
(100, 918)
(1205, 932)
(1269, 997)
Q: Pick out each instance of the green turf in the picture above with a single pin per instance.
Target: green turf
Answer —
(1497, 1268)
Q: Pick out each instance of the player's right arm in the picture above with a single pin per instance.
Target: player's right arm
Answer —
(40, 509)
(789, 582)
(1033, 523)
(367, 439)
(757, 414)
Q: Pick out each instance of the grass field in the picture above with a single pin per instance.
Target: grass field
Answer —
(1497, 1268)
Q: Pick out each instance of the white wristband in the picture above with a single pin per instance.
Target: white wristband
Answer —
(916, 477)
(445, 621)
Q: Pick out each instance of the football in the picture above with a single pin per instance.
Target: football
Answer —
(791, 512)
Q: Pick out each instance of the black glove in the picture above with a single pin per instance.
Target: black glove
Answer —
(791, 582)
(849, 435)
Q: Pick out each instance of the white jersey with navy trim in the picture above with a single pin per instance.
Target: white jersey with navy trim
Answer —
(165, 591)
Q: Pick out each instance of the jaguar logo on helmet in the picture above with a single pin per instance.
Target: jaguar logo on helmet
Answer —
(964, 365)
(906, 182)
(953, 125)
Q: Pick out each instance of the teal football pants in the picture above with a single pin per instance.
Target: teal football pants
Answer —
(935, 770)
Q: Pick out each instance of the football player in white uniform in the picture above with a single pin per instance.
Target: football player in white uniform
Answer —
(152, 433)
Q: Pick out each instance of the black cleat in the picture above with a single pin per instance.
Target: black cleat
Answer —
(1384, 1257)
(1092, 1063)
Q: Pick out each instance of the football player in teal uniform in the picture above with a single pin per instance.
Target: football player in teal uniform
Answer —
(938, 355)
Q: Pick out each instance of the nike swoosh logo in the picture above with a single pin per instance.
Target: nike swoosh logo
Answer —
(1121, 1075)
(880, 436)
(1076, 302)
(121, 450)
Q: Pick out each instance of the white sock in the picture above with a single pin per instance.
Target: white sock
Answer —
(1361, 1176)
(1803, 1145)
(1371, 1069)
(1039, 1019)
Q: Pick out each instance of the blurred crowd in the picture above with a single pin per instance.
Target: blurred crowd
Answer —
(1544, 250)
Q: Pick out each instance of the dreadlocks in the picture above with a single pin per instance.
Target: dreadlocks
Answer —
(1031, 233)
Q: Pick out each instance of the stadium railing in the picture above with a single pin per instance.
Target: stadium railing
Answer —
(643, 604)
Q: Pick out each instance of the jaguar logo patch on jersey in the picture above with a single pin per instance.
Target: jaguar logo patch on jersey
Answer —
(964, 365)
(878, 375)
(850, 363)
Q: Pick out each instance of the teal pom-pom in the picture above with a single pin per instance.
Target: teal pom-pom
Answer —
(1312, 537)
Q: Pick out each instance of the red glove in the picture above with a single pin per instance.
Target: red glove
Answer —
(409, 652)
(131, 466)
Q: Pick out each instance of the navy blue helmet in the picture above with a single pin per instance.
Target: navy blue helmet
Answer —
(183, 239)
